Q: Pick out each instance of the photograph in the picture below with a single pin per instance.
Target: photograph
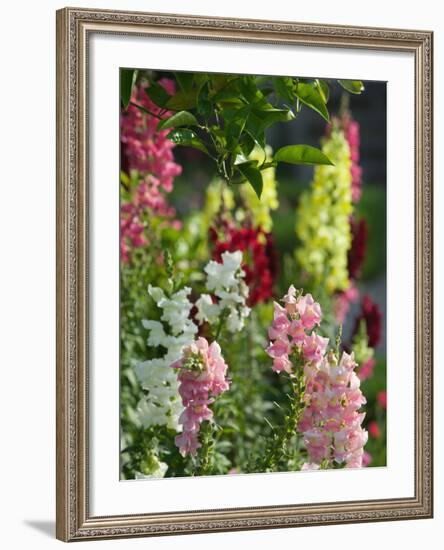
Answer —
(253, 273)
(225, 225)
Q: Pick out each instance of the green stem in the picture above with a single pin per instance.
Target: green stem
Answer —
(144, 110)
(222, 319)
(206, 450)
(277, 450)
(325, 464)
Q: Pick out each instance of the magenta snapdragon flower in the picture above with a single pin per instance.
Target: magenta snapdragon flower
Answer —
(382, 399)
(150, 152)
(202, 376)
(147, 149)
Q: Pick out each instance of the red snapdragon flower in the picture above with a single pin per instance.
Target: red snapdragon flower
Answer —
(356, 254)
(371, 314)
(260, 263)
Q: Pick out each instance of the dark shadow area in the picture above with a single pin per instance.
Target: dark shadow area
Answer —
(47, 527)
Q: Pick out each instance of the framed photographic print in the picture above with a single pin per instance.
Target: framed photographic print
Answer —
(244, 274)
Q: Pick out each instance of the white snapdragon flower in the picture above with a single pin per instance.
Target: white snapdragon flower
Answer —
(157, 335)
(229, 299)
(176, 310)
(162, 404)
(206, 309)
(156, 293)
(151, 414)
(225, 280)
(236, 319)
(223, 275)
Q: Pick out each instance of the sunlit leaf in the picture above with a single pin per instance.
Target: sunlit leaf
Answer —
(251, 173)
(309, 95)
(181, 118)
(182, 101)
(352, 86)
(187, 138)
(301, 154)
(324, 89)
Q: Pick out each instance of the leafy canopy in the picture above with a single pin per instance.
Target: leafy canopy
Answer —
(226, 116)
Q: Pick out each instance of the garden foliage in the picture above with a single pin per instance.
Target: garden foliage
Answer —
(232, 355)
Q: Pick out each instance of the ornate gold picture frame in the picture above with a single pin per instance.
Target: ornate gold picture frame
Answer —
(74, 29)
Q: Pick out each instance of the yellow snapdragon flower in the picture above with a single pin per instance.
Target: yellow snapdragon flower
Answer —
(216, 191)
(323, 218)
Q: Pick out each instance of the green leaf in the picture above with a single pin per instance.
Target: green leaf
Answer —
(247, 143)
(181, 118)
(187, 138)
(267, 91)
(228, 92)
(242, 159)
(182, 101)
(124, 178)
(251, 173)
(127, 81)
(249, 90)
(157, 94)
(260, 119)
(310, 96)
(235, 120)
(324, 89)
(352, 86)
(270, 116)
(267, 165)
(219, 81)
(301, 154)
(284, 88)
(204, 105)
(185, 80)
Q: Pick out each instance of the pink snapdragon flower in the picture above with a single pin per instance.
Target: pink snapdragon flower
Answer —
(288, 332)
(366, 459)
(366, 370)
(351, 131)
(343, 300)
(314, 347)
(309, 466)
(352, 135)
(318, 443)
(331, 421)
(309, 311)
(202, 377)
(131, 230)
(290, 300)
